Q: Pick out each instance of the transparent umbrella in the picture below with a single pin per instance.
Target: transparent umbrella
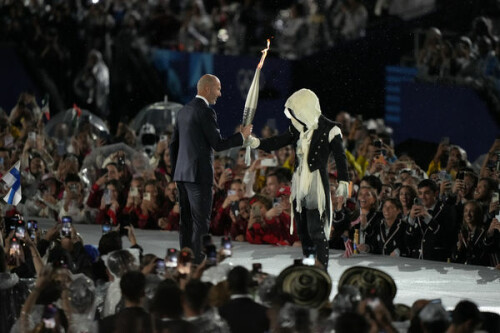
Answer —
(65, 123)
(161, 115)
(119, 153)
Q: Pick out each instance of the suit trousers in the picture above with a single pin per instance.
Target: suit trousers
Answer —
(195, 201)
(311, 234)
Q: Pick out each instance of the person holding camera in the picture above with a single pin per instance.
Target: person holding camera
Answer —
(110, 207)
(110, 172)
(448, 157)
(72, 199)
(263, 226)
(486, 193)
(46, 201)
(153, 206)
(491, 164)
(470, 248)
(132, 208)
(239, 221)
(221, 223)
(25, 114)
(432, 228)
(407, 195)
(171, 221)
(282, 209)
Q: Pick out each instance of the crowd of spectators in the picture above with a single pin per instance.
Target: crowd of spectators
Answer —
(445, 211)
(471, 59)
(95, 52)
(230, 27)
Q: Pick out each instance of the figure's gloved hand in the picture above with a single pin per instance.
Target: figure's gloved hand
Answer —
(252, 142)
(342, 190)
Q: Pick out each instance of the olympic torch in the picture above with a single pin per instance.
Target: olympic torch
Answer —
(252, 98)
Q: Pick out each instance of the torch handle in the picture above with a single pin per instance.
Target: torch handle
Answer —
(248, 159)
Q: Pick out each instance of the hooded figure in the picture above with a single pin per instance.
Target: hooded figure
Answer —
(314, 137)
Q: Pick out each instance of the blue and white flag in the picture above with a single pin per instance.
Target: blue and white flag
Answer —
(13, 180)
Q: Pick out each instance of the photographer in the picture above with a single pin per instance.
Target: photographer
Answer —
(66, 248)
(171, 221)
(68, 164)
(25, 114)
(487, 195)
(432, 232)
(491, 164)
(72, 199)
(262, 227)
(110, 208)
(448, 157)
(152, 206)
(46, 201)
(22, 256)
(240, 220)
(110, 172)
(132, 208)
(279, 219)
(463, 187)
(221, 223)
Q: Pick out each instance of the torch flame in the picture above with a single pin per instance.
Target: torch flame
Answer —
(264, 54)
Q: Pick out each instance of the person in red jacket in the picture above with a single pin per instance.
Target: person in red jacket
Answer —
(239, 219)
(263, 225)
(110, 207)
(153, 206)
(283, 204)
(111, 173)
(221, 223)
(132, 208)
(171, 221)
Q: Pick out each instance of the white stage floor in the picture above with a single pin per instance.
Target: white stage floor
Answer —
(415, 279)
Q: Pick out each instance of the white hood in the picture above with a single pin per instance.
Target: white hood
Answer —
(304, 106)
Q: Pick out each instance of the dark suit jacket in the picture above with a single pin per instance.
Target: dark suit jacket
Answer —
(244, 315)
(436, 240)
(196, 135)
(127, 316)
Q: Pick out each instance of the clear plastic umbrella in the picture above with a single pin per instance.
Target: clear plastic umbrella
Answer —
(65, 123)
(119, 153)
(161, 115)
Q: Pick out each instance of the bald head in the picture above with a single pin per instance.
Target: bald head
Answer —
(209, 87)
(206, 81)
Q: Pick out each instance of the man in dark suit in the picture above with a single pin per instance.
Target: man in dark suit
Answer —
(431, 232)
(196, 135)
(242, 313)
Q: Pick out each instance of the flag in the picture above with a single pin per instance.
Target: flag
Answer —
(45, 107)
(13, 180)
(349, 251)
(77, 110)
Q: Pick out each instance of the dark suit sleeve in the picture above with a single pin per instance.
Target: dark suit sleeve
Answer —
(212, 133)
(277, 141)
(174, 147)
(337, 148)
